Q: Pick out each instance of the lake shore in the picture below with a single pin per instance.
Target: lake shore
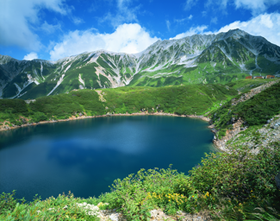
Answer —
(5, 127)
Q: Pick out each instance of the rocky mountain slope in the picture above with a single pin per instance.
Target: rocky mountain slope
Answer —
(250, 120)
(196, 59)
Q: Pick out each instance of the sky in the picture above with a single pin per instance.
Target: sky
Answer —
(54, 29)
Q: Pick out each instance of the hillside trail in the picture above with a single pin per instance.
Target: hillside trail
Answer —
(253, 92)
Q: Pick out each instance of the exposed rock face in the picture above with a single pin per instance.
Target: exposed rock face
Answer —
(269, 135)
(221, 144)
(159, 215)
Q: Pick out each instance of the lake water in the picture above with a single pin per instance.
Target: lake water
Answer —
(86, 156)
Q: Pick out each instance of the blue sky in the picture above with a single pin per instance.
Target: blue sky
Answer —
(53, 29)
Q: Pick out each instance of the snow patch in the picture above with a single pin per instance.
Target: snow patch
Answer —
(42, 70)
(242, 66)
(66, 69)
(81, 80)
(57, 84)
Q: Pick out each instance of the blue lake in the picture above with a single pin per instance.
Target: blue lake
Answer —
(86, 156)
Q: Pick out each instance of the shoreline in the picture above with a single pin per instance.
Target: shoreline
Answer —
(5, 127)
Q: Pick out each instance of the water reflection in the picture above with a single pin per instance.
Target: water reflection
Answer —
(86, 156)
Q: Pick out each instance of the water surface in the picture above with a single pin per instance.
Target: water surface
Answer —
(85, 156)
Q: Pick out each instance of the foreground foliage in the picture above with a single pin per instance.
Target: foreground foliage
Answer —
(236, 186)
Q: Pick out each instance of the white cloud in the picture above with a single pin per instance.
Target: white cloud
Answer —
(214, 20)
(256, 6)
(124, 14)
(18, 17)
(127, 38)
(183, 19)
(48, 28)
(266, 25)
(190, 3)
(222, 4)
(77, 20)
(190, 32)
(168, 24)
(30, 56)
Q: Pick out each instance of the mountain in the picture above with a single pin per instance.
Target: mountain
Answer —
(197, 59)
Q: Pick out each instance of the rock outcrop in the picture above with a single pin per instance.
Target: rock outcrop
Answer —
(253, 92)
(221, 143)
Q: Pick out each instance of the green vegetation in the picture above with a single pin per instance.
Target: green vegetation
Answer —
(63, 207)
(190, 99)
(255, 111)
(63, 106)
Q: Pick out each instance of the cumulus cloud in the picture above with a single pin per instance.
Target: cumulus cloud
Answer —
(30, 56)
(127, 38)
(266, 25)
(191, 31)
(19, 16)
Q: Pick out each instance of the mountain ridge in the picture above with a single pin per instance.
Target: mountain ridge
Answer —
(194, 59)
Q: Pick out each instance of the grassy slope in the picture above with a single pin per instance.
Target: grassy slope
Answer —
(254, 112)
(230, 186)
